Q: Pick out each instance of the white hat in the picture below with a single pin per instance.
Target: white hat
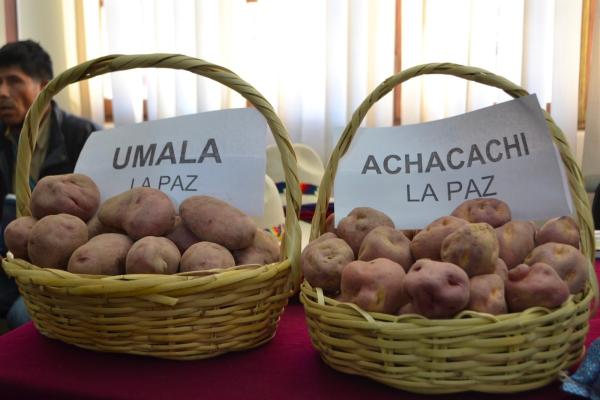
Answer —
(310, 173)
(273, 219)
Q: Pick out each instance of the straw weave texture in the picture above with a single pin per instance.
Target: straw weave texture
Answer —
(473, 351)
(182, 316)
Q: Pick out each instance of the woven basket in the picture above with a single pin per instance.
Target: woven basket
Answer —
(168, 316)
(473, 351)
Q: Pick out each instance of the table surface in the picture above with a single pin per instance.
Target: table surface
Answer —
(33, 366)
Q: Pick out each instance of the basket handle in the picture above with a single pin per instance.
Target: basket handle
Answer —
(113, 63)
(574, 174)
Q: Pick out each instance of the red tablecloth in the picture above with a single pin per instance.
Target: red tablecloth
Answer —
(33, 366)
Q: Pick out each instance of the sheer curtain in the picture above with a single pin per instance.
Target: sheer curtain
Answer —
(314, 60)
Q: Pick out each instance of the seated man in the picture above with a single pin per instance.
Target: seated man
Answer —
(25, 69)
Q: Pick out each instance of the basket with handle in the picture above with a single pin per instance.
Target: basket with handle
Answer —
(169, 316)
(472, 351)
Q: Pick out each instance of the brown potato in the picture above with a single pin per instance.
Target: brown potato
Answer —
(322, 262)
(535, 286)
(213, 220)
(570, 264)
(473, 247)
(386, 242)
(152, 255)
(437, 289)
(103, 255)
(559, 230)
(354, 227)
(206, 255)
(141, 211)
(182, 236)
(491, 211)
(487, 294)
(95, 228)
(263, 250)
(516, 240)
(428, 242)
(410, 233)
(54, 238)
(74, 194)
(375, 285)
(16, 236)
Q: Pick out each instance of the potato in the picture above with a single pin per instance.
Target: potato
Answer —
(570, 264)
(386, 242)
(436, 289)
(501, 270)
(408, 308)
(213, 220)
(428, 242)
(537, 285)
(95, 228)
(330, 223)
(354, 227)
(492, 211)
(141, 211)
(516, 239)
(103, 255)
(206, 255)
(182, 236)
(559, 230)
(487, 294)
(263, 250)
(473, 247)
(16, 236)
(54, 238)
(152, 255)
(375, 285)
(410, 233)
(322, 262)
(74, 194)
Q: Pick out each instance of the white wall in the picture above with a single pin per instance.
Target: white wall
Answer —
(2, 25)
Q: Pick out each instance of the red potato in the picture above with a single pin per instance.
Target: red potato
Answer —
(16, 236)
(487, 294)
(489, 210)
(356, 225)
(570, 264)
(103, 255)
(213, 220)
(386, 242)
(206, 255)
(181, 236)
(535, 286)
(428, 242)
(501, 270)
(263, 250)
(330, 223)
(375, 285)
(140, 212)
(559, 230)
(153, 255)
(473, 247)
(54, 238)
(95, 228)
(74, 194)
(437, 289)
(322, 262)
(516, 239)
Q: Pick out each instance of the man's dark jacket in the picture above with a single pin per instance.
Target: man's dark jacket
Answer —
(67, 135)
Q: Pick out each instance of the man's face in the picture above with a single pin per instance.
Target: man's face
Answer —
(17, 92)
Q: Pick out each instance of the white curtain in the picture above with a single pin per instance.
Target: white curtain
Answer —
(315, 61)
(534, 43)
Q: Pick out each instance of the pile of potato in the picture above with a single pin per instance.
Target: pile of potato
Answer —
(137, 231)
(476, 259)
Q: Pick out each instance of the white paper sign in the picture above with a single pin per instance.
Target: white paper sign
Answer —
(417, 173)
(218, 153)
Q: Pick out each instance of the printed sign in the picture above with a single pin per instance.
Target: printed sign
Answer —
(417, 173)
(218, 153)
